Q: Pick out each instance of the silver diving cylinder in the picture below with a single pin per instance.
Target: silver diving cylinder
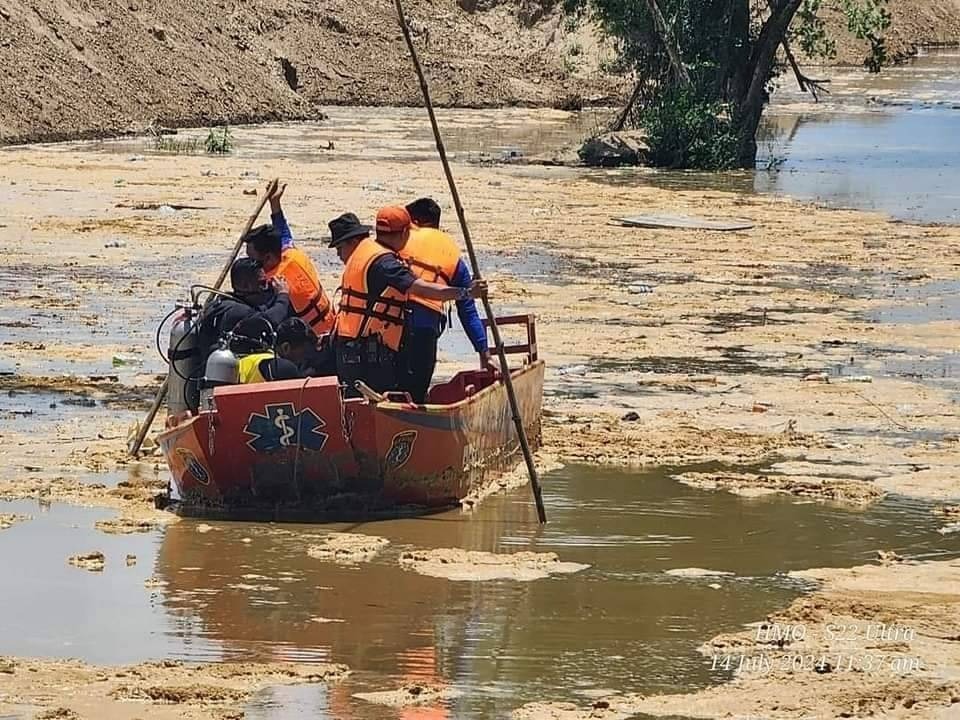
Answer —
(183, 357)
(223, 368)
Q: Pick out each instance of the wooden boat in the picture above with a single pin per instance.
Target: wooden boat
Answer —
(298, 450)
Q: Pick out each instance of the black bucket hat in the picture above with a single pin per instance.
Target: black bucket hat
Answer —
(346, 227)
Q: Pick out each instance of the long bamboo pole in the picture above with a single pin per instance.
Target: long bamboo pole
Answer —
(162, 392)
(507, 379)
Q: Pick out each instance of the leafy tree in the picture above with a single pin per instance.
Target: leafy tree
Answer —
(705, 68)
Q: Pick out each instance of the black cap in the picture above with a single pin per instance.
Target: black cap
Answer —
(296, 332)
(346, 227)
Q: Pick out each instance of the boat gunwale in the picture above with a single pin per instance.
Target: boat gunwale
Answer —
(390, 406)
(430, 407)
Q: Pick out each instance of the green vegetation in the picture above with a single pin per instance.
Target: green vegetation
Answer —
(219, 141)
(705, 68)
(176, 146)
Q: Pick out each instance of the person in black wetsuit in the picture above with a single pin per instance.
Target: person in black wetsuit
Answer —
(253, 297)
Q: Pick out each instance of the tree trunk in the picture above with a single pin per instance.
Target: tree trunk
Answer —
(737, 78)
(669, 42)
(764, 55)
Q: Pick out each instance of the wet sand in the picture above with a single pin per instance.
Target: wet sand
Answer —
(872, 641)
(713, 364)
(157, 690)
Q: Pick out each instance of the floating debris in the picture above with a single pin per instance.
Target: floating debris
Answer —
(697, 573)
(412, 694)
(125, 526)
(473, 565)
(685, 222)
(347, 547)
(8, 520)
(121, 360)
(92, 561)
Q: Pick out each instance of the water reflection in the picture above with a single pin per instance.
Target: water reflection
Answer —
(623, 623)
(250, 592)
(901, 162)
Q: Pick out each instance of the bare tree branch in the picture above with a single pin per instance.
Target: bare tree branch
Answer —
(621, 121)
(669, 42)
(807, 84)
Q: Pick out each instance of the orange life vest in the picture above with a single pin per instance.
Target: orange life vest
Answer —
(432, 256)
(309, 301)
(360, 314)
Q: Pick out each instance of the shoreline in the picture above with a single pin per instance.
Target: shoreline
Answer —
(723, 362)
(868, 641)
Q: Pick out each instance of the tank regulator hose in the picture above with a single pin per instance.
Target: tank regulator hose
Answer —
(160, 332)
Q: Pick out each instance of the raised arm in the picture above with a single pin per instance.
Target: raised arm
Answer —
(278, 219)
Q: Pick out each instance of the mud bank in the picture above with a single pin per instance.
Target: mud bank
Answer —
(196, 63)
(410, 696)
(474, 566)
(914, 24)
(712, 366)
(871, 641)
(158, 690)
(347, 548)
(708, 373)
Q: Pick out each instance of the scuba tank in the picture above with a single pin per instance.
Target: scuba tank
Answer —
(184, 358)
(223, 368)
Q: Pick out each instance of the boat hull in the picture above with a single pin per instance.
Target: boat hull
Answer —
(296, 450)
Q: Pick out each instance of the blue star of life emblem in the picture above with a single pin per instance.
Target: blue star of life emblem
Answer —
(281, 426)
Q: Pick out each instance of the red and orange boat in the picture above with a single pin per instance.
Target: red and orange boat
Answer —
(298, 450)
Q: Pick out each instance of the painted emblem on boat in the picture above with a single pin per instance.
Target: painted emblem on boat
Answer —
(194, 466)
(281, 426)
(401, 449)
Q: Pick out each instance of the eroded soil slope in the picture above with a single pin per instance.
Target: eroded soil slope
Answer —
(72, 68)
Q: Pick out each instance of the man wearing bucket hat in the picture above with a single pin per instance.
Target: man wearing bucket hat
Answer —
(374, 291)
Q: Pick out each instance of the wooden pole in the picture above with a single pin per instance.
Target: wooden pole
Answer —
(162, 391)
(507, 379)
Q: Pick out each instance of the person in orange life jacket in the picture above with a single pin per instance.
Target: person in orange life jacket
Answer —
(294, 339)
(273, 246)
(371, 316)
(432, 255)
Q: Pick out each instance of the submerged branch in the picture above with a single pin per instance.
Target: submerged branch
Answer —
(807, 84)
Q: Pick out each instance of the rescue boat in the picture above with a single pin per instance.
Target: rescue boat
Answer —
(298, 450)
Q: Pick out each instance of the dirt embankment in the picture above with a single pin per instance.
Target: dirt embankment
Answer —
(914, 23)
(72, 69)
(161, 690)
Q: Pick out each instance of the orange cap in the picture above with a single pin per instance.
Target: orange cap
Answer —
(393, 219)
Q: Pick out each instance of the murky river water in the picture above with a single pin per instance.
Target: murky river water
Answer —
(887, 142)
(622, 624)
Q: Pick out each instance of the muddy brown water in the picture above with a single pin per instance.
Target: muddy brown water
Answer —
(621, 624)
(889, 142)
